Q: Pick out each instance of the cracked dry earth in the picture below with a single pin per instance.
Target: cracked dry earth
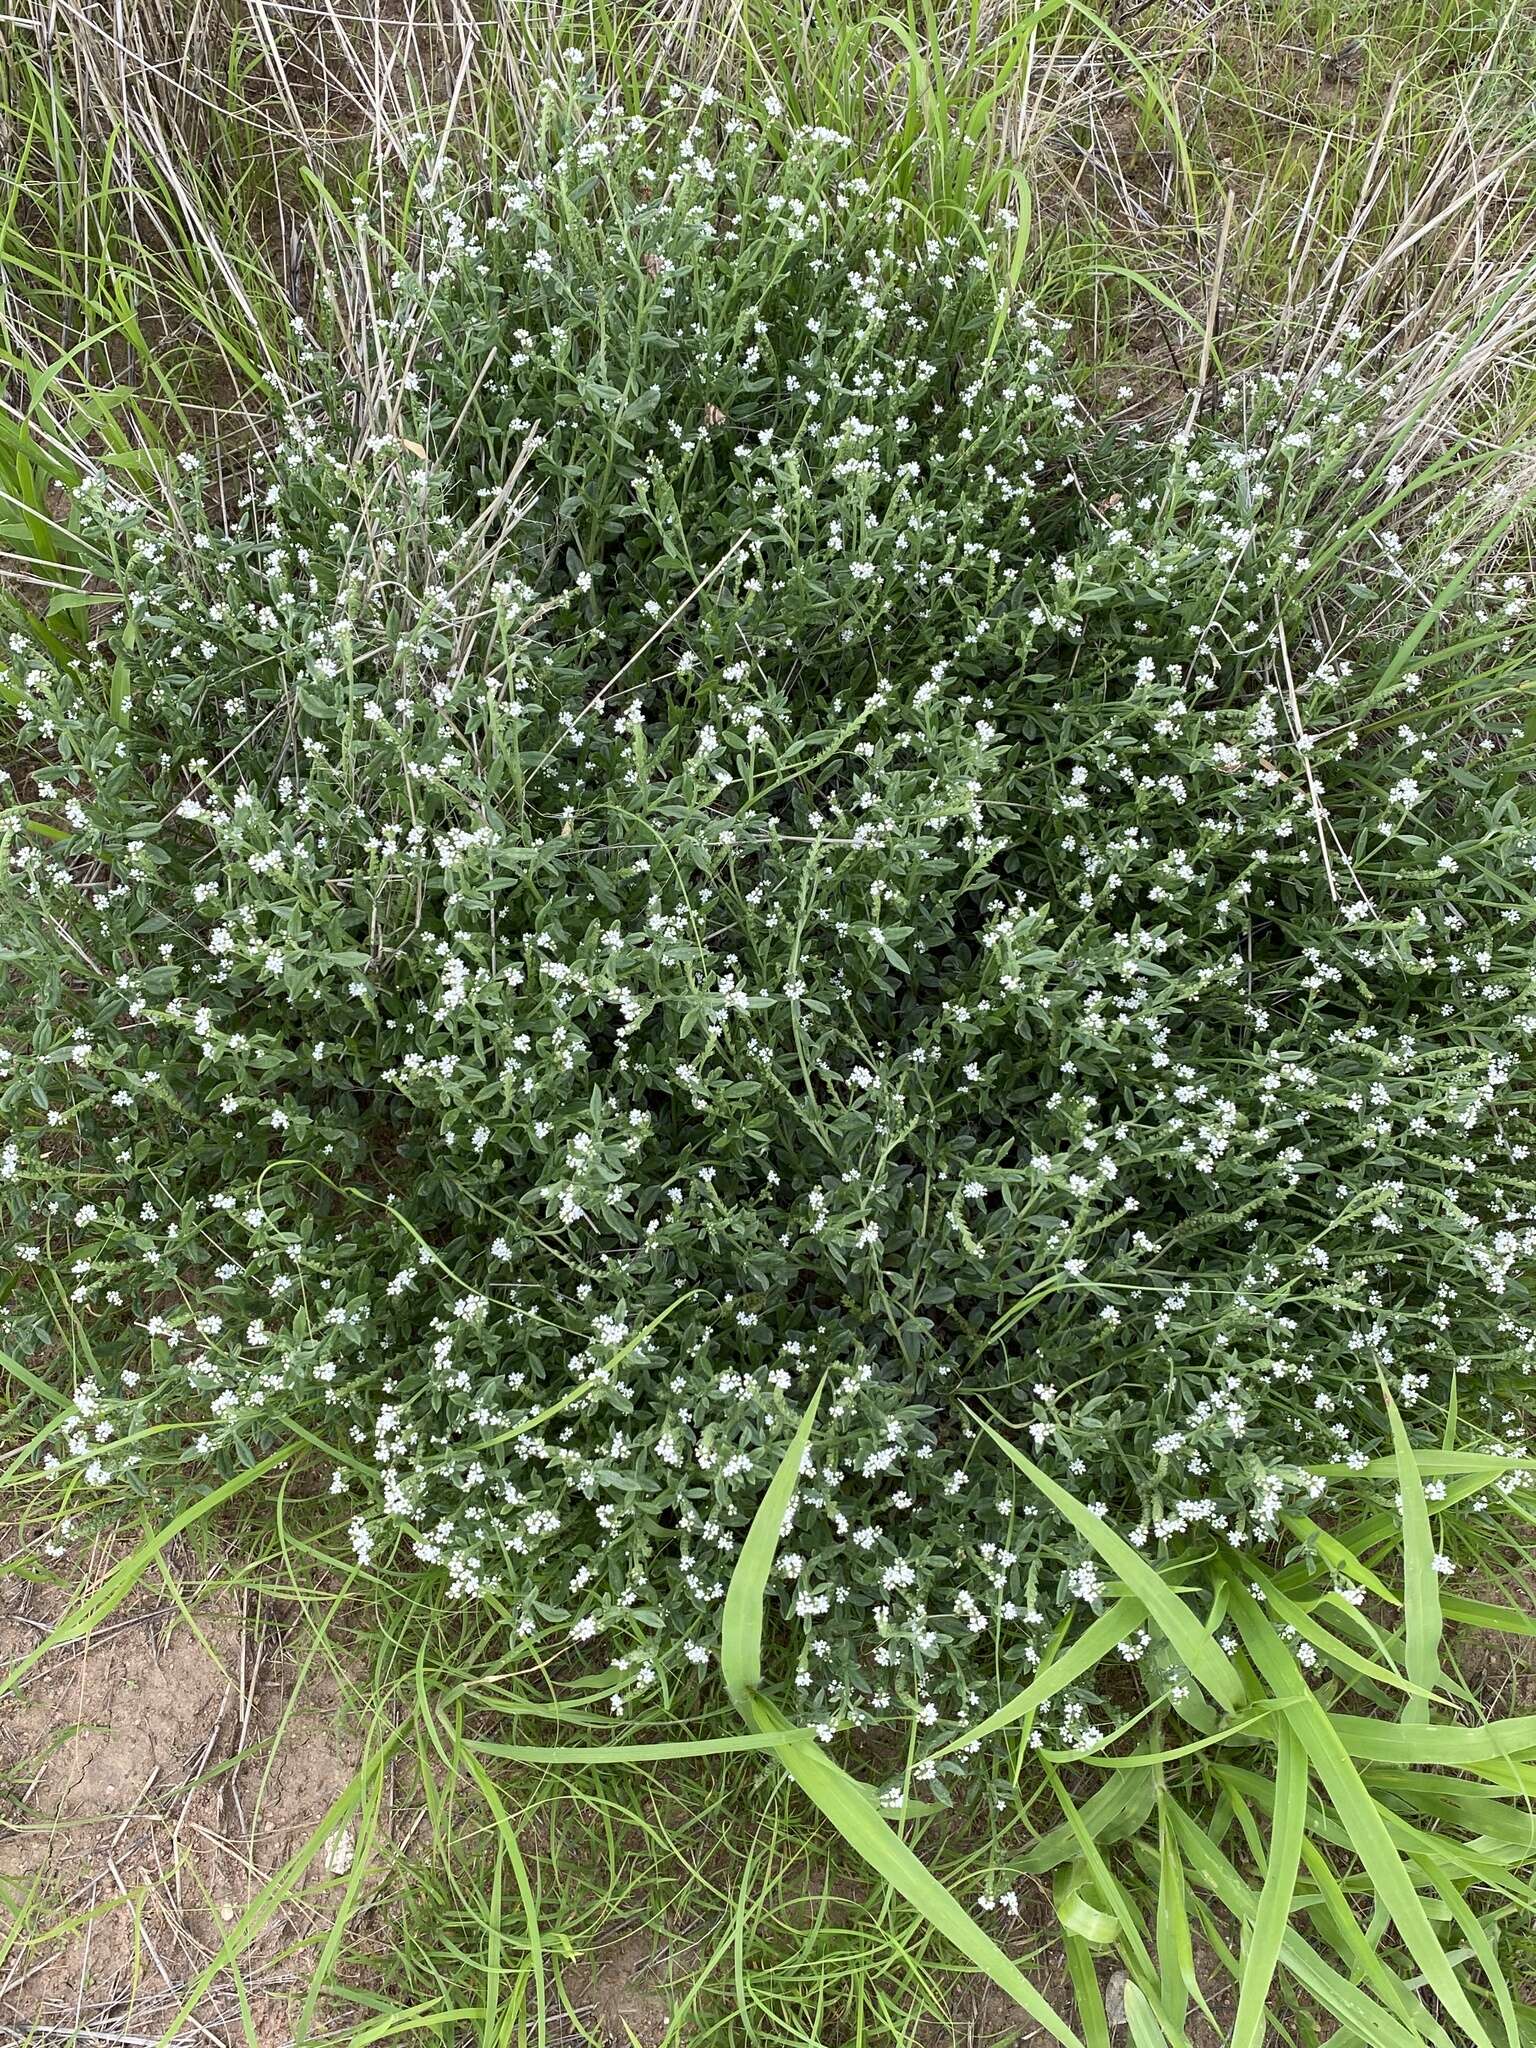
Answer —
(153, 1777)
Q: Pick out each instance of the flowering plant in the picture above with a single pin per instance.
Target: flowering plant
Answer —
(730, 840)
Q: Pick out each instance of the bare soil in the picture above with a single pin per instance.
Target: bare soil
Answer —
(153, 1777)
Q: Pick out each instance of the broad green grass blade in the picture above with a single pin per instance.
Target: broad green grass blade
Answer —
(1177, 1982)
(1085, 1991)
(1432, 1465)
(1141, 2018)
(1100, 1759)
(14, 1368)
(1341, 1655)
(1337, 1917)
(1421, 1584)
(1398, 1794)
(637, 1754)
(1511, 1621)
(844, 1802)
(1508, 1741)
(852, 1812)
(1338, 1555)
(1112, 1894)
(1337, 1993)
(1114, 1812)
(1077, 1912)
(1357, 1810)
(1266, 1936)
(1475, 1934)
(1206, 1660)
(741, 1626)
(1102, 1635)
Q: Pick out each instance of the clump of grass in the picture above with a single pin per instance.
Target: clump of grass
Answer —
(1282, 646)
(660, 878)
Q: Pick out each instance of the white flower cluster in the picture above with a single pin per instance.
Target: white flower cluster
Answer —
(735, 848)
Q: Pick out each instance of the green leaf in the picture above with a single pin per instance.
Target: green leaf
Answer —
(1475, 1934)
(1206, 1660)
(1357, 1809)
(843, 1801)
(1421, 1584)
(1115, 1811)
(1085, 1989)
(1140, 2016)
(741, 1626)
(14, 1367)
(1111, 1893)
(1084, 1653)
(1177, 1982)
(1432, 1464)
(1077, 1912)
(625, 1753)
(1494, 1614)
(1389, 1742)
(1341, 1655)
(1334, 1991)
(1266, 1935)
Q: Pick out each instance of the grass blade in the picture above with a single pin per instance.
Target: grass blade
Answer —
(1102, 1635)
(1177, 1983)
(1342, 1656)
(1387, 1742)
(1357, 1810)
(1421, 1584)
(1086, 1992)
(1142, 2019)
(89, 1613)
(638, 1754)
(1337, 1993)
(741, 1626)
(1266, 1936)
(1206, 1660)
(845, 1802)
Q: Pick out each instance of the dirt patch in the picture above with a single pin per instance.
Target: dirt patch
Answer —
(983, 2016)
(1497, 1668)
(154, 1777)
(627, 1997)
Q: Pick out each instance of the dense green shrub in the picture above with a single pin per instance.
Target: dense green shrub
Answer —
(730, 839)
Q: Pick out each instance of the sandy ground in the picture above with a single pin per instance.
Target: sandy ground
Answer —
(153, 1777)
